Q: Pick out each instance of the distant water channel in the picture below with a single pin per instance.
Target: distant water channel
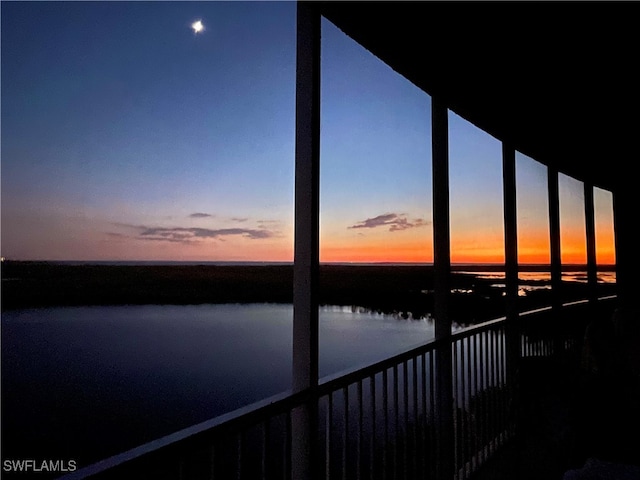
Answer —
(84, 383)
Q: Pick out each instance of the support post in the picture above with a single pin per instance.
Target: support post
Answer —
(554, 238)
(510, 230)
(511, 274)
(625, 217)
(590, 227)
(306, 242)
(442, 271)
(556, 259)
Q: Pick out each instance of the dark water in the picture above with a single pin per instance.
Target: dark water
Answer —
(88, 382)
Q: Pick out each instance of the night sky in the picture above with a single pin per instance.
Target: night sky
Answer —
(127, 135)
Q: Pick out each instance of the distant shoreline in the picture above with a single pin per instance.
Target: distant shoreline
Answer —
(455, 267)
(398, 288)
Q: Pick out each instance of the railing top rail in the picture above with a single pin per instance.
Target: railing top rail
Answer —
(343, 378)
(471, 329)
(535, 311)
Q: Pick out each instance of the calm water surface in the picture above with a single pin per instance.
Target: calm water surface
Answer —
(87, 382)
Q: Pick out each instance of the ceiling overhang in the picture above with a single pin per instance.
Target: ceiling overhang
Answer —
(559, 82)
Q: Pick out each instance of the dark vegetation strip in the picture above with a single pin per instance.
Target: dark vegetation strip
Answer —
(390, 289)
(33, 284)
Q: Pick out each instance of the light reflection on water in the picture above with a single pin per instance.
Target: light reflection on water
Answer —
(542, 279)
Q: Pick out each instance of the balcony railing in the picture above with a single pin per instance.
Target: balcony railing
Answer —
(376, 422)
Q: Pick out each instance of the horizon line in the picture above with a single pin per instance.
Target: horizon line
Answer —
(290, 262)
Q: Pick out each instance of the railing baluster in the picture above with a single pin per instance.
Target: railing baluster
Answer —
(496, 341)
(396, 410)
(492, 407)
(405, 392)
(239, 456)
(345, 431)
(212, 459)
(501, 345)
(462, 419)
(483, 395)
(481, 398)
(456, 407)
(329, 424)
(503, 384)
(423, 447)
(466, 376)
(505, 403)
(498, 357)
(465, 412)
(414, 452)
(494, 391)
(265, 453)
(360, 432)
(477, 444)
(498, 388)
(432, 400)
(287, 447)
(470, 416)
(476, 400)
(487, 395)
(385, 412)
(181, 467)
(372, 453)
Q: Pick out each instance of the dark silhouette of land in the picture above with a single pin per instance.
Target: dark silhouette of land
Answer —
(406, 290)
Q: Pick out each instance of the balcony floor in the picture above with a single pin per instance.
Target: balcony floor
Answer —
(553, 436)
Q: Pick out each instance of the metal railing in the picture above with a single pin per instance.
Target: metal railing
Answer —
(376, 422)
(482, 411)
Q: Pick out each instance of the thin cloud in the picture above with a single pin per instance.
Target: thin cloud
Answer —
(182, 234)
(396, 222)
(188, 235)
(200, 215)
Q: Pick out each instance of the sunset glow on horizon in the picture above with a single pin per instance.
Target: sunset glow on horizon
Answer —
(127, 139)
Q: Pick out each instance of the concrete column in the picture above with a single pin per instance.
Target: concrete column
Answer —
(625, 217)
(306, 243)
(442, 271)
(510, 230)
(554, 238)
(590, 227)
(511, 272)
(556, 260)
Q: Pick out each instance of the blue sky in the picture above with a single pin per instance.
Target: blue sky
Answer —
(117, 113)
(127, 136)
